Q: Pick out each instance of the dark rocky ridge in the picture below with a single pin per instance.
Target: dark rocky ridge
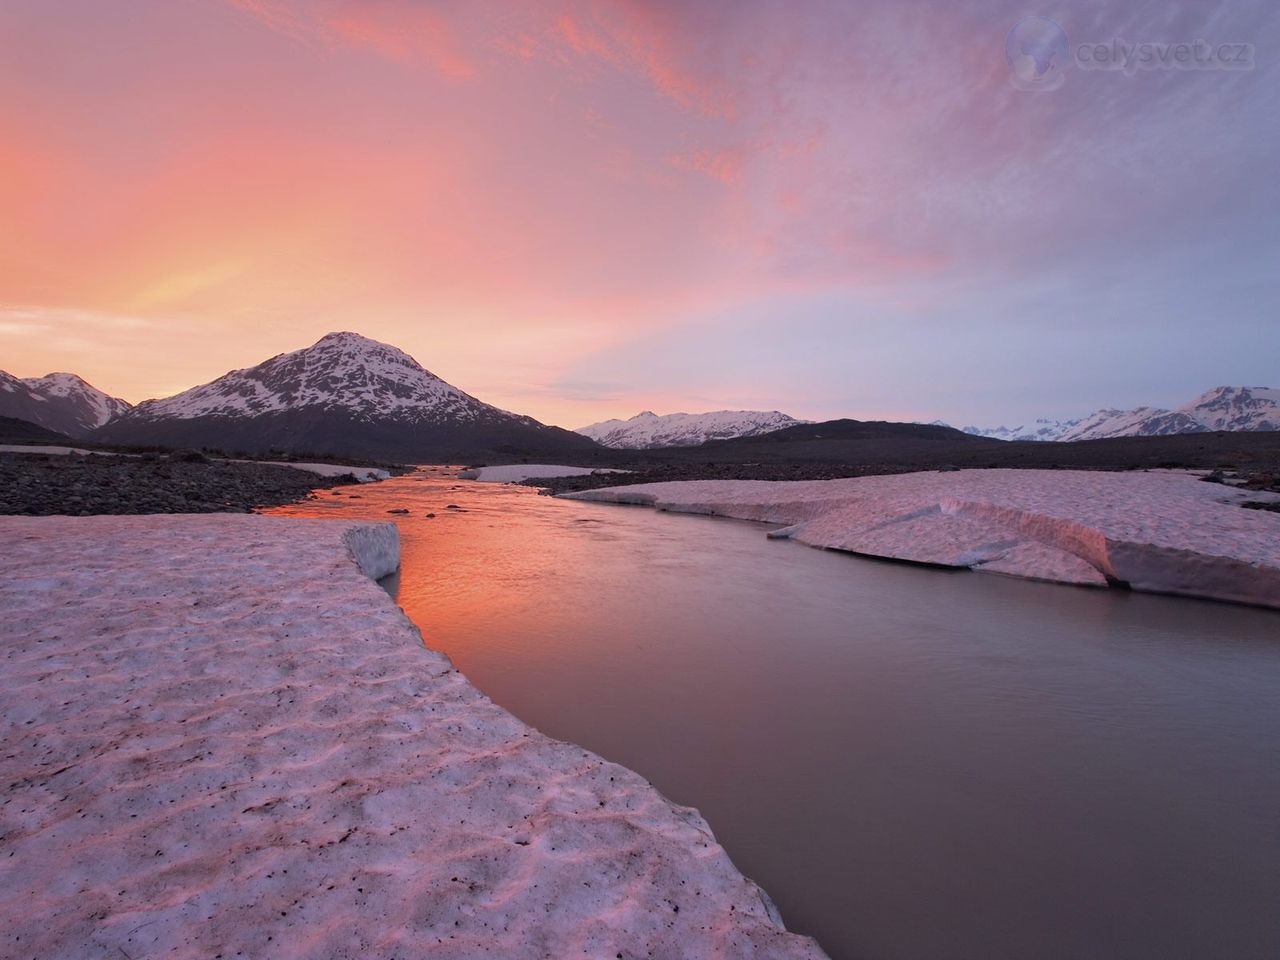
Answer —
(16, 430)
(40, 485)
(852, 449)
(329, 433)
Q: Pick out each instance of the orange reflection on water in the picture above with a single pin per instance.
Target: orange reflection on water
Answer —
(464, 563)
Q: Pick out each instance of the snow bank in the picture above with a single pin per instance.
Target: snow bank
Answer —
(221, 738)
(516, 472)
(48, 450)
(1158, 532)
(363, 474)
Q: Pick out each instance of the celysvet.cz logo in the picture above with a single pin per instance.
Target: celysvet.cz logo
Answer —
(1040, 55)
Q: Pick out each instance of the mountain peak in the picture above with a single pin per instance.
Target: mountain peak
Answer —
(355, 344)
(344, 394)
(63, 402)
(342, 372)
(57, 376)
(346, 336)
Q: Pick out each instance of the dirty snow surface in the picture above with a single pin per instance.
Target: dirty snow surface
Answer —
(516, 472)
(1158, 532)
(51, 451)
(363, 474)
(221, 738)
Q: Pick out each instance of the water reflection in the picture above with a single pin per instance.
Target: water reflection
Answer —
(914, 763)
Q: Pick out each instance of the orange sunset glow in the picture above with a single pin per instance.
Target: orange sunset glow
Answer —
(558, 205)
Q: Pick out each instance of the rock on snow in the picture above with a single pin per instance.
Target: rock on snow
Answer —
(1157, 532)
(221, 738)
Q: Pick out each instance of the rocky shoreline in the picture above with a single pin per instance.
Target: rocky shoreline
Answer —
(80, 485)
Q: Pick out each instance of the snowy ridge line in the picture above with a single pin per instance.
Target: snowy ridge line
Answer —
(221, 737)
(1222, 408)
(647, 430)
(1154, 532)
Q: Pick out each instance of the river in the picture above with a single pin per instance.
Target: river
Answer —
(916, 764)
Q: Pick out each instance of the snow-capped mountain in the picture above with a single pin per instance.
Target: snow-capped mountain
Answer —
(1222, 408)
(346, 394)
(1236, 408)
(1042, 429)
(341, 371)
(58, 401)
(1123, 423)
(647, 430)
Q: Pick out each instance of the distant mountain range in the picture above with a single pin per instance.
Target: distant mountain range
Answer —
(647, 430)
(345, 395)
(60, 402)
(351, 396)
(1222, 408)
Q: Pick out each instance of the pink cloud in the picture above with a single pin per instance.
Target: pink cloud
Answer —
(725, 164)
(404, 33)
(399, 30)
(464, 177)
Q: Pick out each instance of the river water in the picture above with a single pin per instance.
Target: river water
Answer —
(914, 763)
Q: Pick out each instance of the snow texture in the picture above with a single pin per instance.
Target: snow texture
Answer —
(1156, 532)
(647, 430)
(221, 739)
(516, 472)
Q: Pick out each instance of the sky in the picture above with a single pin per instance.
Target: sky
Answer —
(579, 209)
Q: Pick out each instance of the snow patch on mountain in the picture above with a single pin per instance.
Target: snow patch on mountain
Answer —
(98, 407)
(647, 430)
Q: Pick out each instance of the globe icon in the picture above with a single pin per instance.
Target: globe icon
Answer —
(1038, 54)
